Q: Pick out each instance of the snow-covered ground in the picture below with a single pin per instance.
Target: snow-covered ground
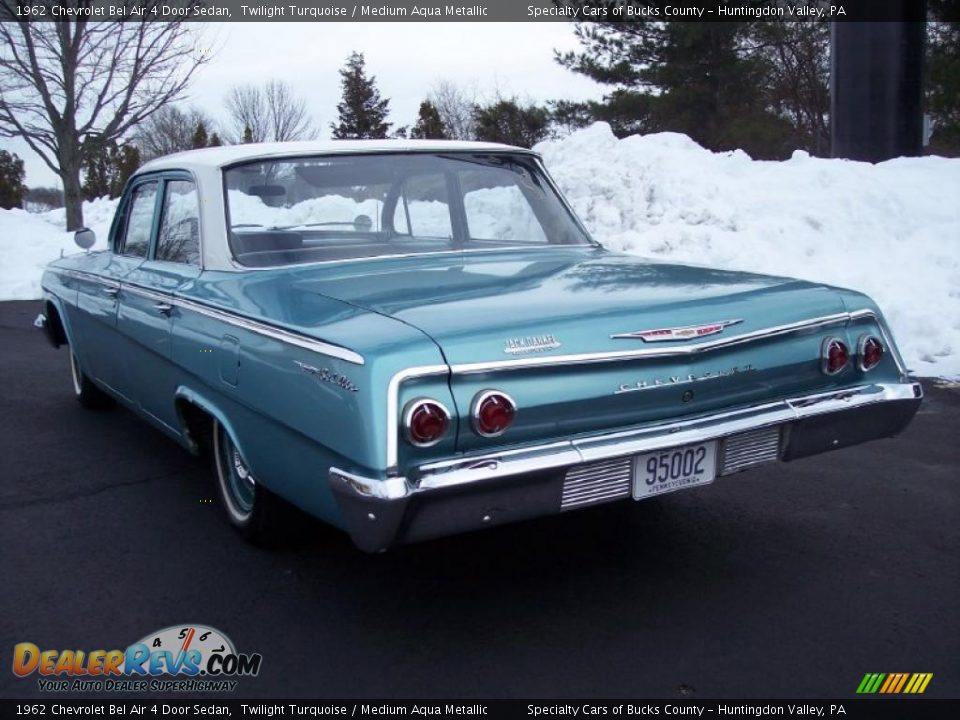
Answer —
(891, 230)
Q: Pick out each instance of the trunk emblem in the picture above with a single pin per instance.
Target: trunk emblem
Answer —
(690, 332)
(675, 380)
(533, 344)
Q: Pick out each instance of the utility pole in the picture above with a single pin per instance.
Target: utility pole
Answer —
(876, 84)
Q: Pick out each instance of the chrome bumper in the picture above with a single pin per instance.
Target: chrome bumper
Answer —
(452, 496)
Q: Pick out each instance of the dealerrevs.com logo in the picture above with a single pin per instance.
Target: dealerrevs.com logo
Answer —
(180, 658)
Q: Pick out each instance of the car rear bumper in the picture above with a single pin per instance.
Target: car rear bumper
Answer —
(483, 490)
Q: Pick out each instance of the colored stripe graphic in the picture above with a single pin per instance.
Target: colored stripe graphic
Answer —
(894, 683)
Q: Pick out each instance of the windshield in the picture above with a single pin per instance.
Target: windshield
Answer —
(296, 210)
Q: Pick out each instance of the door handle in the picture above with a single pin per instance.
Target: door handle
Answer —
(110, 291)
(164, 308)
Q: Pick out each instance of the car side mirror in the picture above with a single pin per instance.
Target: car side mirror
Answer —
(85, 238)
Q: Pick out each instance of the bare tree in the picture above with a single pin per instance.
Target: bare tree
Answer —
(169, 130)
(455, 106)
(72, 85)
(272, 113)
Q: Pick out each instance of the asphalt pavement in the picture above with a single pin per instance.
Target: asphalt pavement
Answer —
(793, 580)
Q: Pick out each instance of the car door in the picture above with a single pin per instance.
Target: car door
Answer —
(147, 300)
(99, 286)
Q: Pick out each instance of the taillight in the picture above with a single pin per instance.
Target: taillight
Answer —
(492, 413)
(869, 352)
(425, 422)
(834, 356)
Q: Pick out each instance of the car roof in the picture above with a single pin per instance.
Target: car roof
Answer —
(219, 157)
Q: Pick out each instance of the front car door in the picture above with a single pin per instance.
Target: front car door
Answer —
(147, 307)
(98, 295)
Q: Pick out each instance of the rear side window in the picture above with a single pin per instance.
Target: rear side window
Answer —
(179, 236)
(136, 239)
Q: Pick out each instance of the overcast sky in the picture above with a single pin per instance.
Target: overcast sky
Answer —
(406, 58)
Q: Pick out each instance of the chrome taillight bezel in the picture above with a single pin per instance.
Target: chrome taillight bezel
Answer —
(478, 400)
(861, 352)
(825, 356)
(408, 412)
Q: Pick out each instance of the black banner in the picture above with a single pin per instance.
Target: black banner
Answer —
(855, 709)
(480, 11)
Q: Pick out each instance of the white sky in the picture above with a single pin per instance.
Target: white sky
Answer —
(407, 59)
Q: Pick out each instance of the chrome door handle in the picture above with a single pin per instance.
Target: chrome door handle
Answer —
(164, 308)
(110, 291)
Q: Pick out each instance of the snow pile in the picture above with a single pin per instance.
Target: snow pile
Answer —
(28, 241)
(891, 230)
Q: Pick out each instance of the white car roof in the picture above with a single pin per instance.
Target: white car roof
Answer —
(218, 157)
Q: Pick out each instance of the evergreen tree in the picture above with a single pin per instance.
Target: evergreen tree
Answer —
(200, 136)
(943, 77)
(215, 141)
(107, 167)
(247, 135)
(429, 125)
(362, 112)
(505, 121)
(696, 78)
(12, 189)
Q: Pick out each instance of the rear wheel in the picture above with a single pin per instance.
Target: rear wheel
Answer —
(253, 510)
(86, 392)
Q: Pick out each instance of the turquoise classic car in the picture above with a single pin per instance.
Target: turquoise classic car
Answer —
(412, 339)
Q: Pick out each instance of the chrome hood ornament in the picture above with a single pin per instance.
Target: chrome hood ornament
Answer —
(689, 332)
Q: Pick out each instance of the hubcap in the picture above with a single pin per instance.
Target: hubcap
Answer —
(238, 482)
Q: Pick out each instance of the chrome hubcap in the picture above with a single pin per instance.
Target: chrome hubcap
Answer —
(237, 479)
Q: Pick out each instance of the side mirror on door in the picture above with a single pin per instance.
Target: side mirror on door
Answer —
(85, 238)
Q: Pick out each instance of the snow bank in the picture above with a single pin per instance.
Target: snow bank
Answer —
(891, 230)
(28, 241)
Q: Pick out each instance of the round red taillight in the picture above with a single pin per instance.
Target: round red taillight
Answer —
(870, 351)
(492, 413)
(426, 422)
(834, 356)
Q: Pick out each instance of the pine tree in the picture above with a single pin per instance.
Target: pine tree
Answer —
(701, 79)
(505, 121)
(200, 135)
(215, 141)
(12, 189)
(362, 112)
(429, 125)
(247, 135)
(107, 167)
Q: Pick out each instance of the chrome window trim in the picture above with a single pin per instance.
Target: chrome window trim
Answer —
(393, 389)
(408, 417)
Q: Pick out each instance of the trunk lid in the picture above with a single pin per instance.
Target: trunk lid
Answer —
(531, 307)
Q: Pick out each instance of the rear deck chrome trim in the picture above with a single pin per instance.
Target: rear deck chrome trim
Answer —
(567, 453)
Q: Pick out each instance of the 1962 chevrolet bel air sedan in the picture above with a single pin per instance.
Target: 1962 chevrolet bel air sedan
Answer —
(411, 339)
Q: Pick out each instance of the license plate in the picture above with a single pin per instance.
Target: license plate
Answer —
(678, 468)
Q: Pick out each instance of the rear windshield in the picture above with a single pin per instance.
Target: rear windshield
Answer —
(296, 210)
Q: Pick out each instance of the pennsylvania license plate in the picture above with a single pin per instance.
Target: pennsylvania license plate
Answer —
(665, 471)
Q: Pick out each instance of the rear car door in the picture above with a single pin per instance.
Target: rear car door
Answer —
(147, 304)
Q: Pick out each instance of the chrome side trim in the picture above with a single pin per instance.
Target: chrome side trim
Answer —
(678, 351)
(255, 326)
(567, 453)
(80, 275)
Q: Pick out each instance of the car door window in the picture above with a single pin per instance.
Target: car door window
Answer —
(423, 210)
(179, 236)
(497, 208)
(136, 239)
